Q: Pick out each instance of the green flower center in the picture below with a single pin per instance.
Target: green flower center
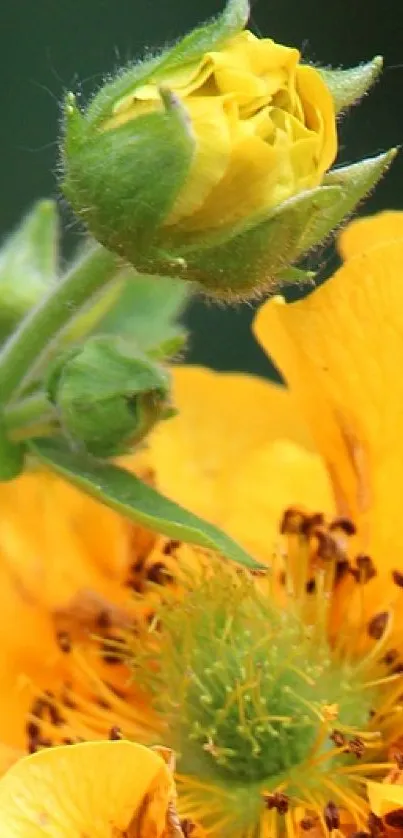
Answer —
(250, 693)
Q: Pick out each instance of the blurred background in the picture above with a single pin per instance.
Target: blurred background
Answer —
(49, 46)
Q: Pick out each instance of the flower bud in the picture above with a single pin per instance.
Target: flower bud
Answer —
(28, 264)
(108, 396)
(209, 161)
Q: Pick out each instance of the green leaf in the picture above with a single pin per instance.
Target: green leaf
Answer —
(28, 264)
(132, 498)
(348, 86)
(147, 312)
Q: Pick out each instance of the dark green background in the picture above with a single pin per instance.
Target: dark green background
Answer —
(48, 46)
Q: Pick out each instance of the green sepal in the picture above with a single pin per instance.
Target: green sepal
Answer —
(354, 183)
(28, 264)
(209, 36)
(12, 456)
(249, 260)
(124, 182)
(348, 86)
(107, 395)
(137, 501)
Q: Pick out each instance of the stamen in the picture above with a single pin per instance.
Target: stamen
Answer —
(278, 801)
(394, 819)
(332, 816)
(397, 577)
(377, 625)
(365, 570)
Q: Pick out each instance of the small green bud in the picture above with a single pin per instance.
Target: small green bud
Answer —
(28, 264)
(108, 395)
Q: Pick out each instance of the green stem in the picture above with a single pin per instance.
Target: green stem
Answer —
(35, 408)
(21, 352)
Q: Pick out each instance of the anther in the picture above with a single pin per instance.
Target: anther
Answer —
(345, 524)
(307, 824)
(282, 578)
(397, 577)
(390, 657)
(327, 549)
(311, 522)
(187, 827)
(394, 819)
(158, 574)
(331, 815)
(170, 547)
(115, 733)
(342, 566)
(375, 826)
(278, 801)
(356, 746)
(338, 738)
(110, 653)
(293, 521)
(377, 625)
(365, 570)
(310, 586)
(103, 620)
(63, 641)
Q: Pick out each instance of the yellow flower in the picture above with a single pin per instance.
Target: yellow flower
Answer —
(277, 731)
(107, 789)
(264, 127)
(65, 575)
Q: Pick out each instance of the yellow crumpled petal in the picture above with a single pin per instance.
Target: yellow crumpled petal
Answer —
(94, 789)
(236, 454)
(341, 351)
(264, 129)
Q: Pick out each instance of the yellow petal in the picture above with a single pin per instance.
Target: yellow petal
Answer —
(341, 352)
(213, 151)
(237, 454)
(371, 231)
(96, 789)
(384, 797)
(258, 176)
(318, 107)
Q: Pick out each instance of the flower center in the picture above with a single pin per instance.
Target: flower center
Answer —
(250, 693)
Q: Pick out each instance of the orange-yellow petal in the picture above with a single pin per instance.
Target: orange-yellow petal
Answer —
(107, 789)
(363, 233)
(341, 352)
(236, 454)
(384, 797)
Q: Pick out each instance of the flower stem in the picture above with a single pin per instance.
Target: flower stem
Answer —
(27, 412)
(39, 328)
